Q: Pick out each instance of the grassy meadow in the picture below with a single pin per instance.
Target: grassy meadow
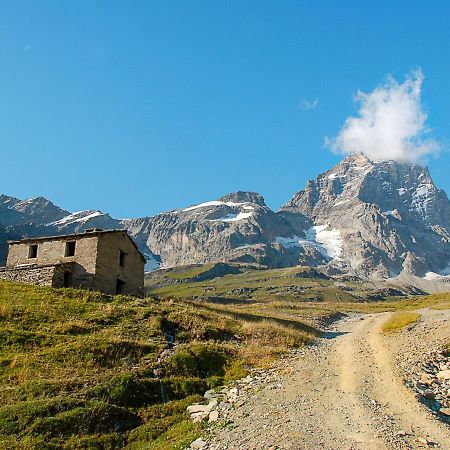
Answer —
(80, 369)
(77, 368)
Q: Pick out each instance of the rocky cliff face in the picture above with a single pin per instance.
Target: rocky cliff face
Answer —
(388, 217)
(238, 227)
(364, 218)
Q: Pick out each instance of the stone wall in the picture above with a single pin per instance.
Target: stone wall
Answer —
(52, 252)
(41, 276)
(109, 270)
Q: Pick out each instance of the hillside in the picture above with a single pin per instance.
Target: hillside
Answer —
(80, 369)
(293, 288)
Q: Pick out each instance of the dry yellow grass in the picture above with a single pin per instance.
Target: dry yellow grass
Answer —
(399, 320)
(266, 340)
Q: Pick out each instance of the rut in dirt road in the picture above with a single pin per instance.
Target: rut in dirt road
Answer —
(343, 393)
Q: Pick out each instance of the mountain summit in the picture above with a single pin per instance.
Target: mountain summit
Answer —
(390, 216)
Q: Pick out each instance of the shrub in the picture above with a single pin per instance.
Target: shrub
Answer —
(199, 359)
(95, 417)
(127, 390)
(179, 388)
(16, 418)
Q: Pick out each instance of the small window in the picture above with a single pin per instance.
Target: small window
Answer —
(33, 251)
(122, 256)
(120, 286)
(70, 248)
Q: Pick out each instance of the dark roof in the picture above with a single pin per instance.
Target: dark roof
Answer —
(87, 233)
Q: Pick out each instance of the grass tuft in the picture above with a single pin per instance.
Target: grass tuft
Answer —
(399, 320)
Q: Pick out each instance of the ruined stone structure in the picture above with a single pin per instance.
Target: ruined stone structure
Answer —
(107, 261)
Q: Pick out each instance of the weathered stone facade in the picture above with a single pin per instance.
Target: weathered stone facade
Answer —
(108, 261)
(41, 276)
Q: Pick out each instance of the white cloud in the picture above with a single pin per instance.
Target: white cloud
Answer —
(308, 105)
(391, 124)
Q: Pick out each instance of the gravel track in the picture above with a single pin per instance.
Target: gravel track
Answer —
(346, 392)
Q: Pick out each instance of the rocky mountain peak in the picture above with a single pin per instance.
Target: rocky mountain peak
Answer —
(37, 210)
(6, 199)
(390, 215)
(355, 159)
(244, 197)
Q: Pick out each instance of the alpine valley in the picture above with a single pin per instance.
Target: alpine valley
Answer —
(373, 220)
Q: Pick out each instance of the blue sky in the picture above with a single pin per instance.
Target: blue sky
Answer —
(140, 107)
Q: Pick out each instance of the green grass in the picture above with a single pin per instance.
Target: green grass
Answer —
(76, 367)
(184, 274)
(399, 320)
(254, 285)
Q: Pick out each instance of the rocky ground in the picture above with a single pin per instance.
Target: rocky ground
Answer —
(355, 389)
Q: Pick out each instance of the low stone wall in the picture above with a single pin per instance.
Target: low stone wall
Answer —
(38, 275)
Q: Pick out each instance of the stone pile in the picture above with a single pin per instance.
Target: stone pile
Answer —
(219, 403)
(431, 382)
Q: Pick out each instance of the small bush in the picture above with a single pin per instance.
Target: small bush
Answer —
(199, 359)
(127, 390)
(265, 340)
(94, 417)
(178, 388)
(37, 389)
(266, 333)
(183, 362)
(109, 441)
(159, 419)
(177, 437)
(16, 418)
(107, 354)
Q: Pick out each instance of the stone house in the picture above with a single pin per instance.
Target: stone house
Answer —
(107, 261)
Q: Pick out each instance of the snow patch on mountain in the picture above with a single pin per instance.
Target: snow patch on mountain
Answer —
(422, 197)
(327, 242)
(152, 263)
(331, 240)
(341, 202)
(444, 273)
(80, 216)
(217, 203)
(233, 217)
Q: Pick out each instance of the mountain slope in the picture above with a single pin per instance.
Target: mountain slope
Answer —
(238, 227)
(361, 218)
(389, 217)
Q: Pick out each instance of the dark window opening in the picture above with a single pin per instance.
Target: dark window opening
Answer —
(33, 251)
(70, 249)
(67, 279)
(120, 286)
(122, 256)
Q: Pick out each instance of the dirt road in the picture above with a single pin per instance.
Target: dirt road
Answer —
(345, 393)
